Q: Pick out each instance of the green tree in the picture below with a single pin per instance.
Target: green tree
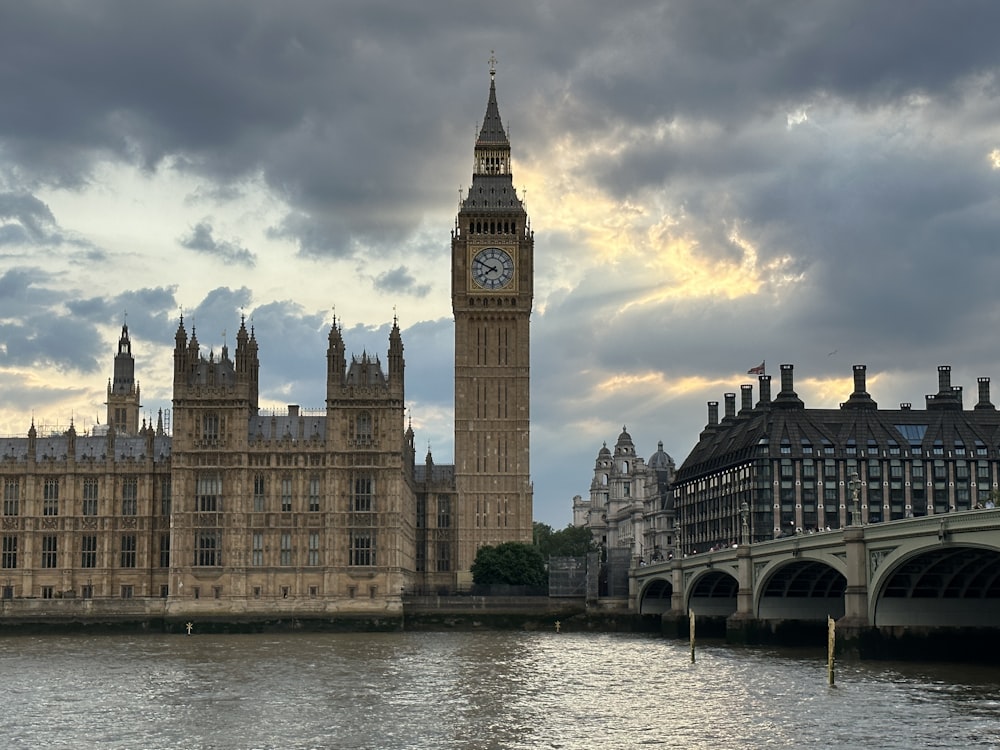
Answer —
(573, 541)
(510, 563)
(540, 534)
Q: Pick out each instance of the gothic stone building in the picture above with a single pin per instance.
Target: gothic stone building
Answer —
(241, 512)
(780, 468)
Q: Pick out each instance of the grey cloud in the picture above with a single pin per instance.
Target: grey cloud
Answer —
(201, 239)
(48, 339)
(400, 280)
(26, 221)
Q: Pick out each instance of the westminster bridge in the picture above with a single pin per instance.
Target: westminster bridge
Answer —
(929, 572)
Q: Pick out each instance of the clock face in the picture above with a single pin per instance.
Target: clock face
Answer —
(492, 268)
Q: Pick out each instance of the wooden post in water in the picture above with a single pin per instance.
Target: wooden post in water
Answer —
(691, 631)
(831, 645)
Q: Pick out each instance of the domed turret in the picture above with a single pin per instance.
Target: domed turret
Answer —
(624, 446)
(661, 460)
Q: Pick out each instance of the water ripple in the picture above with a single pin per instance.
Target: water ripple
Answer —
(474, 690)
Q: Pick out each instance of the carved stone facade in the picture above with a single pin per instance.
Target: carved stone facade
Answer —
(492, 288)
(243, 513)
(630, 505)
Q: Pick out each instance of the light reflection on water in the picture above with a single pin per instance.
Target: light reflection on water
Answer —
(474, 690)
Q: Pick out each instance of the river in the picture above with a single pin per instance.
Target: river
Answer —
(474, 690)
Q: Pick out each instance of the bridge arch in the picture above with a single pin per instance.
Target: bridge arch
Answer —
(801, 588)
(949, 585)
(655, 596)
(712, 592)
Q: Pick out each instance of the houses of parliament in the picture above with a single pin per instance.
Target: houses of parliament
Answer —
(232, 512)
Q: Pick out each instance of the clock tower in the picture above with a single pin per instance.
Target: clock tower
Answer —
(492, 249)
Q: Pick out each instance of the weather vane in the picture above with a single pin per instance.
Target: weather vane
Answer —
(493, 64)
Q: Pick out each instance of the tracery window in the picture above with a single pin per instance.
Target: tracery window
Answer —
(362, 550)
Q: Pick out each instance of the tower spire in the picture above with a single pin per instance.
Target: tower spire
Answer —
(123, 389)
(492, 135)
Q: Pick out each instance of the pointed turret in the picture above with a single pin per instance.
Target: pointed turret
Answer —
(71, 441)
(396, 364)
(32, 442)
(246, 364)
(180, 354)
(123, 390)
(336, 359)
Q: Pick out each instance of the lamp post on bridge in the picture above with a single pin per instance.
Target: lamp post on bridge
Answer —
(744, 524)
(855, 487)
(678, 549)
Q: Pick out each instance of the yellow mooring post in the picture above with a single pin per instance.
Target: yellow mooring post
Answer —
(691, 629)
(831, 645)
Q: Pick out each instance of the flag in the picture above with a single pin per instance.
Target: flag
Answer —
(758, 370)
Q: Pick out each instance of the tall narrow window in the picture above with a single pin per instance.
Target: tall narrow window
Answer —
(257, 549)
(209, 491)
(166, 493)
(8, 556)
(11, 496)
(286, 494)
(286, 549)
(210, 426)
(313, 494)
(503, 346)
(130, 493)
(164, 550)
(443, 562)
(362, 501)
(88, 552)
(258, 493)
(128, 551)
(482, 343)
(50, 497)
(50, 552)
(443, 511)
(90, 490)
(314, 548)
(364, 427)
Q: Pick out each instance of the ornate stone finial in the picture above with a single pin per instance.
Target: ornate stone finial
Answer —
(493, 64)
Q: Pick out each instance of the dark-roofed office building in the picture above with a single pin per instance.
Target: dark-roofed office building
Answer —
(777, 468)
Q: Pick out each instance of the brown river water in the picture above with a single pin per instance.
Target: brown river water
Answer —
(474, 690)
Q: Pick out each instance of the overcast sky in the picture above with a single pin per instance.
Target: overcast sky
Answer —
(711, 184)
